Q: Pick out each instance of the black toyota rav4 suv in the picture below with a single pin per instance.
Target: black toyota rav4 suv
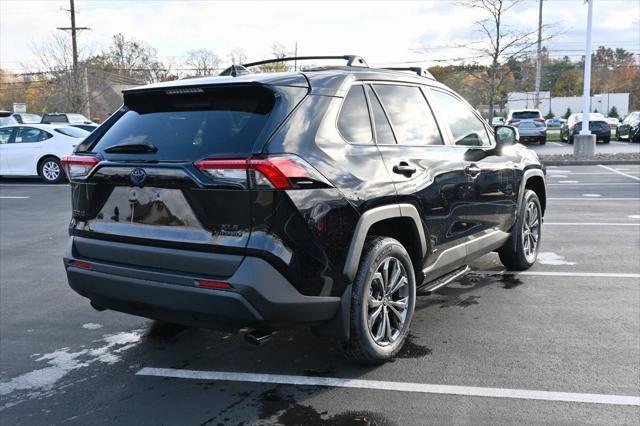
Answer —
(326, 197)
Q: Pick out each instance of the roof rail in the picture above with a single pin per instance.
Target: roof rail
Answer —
(352, 60)
(422, 72)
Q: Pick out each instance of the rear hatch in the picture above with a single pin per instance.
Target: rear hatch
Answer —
(144, 179)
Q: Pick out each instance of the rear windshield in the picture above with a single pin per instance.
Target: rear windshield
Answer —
(58, 118)
(193, 125)
(74, 132)
(525, 115)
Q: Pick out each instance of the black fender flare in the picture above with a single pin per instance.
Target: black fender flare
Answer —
(368, 219)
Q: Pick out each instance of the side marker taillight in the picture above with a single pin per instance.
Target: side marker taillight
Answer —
(214, 284)
(81, 264)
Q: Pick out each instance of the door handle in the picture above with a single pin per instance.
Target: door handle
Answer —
(404, 169)
(472, 170)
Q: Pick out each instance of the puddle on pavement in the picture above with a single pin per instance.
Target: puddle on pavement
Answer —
(289, 413)
(413, 350)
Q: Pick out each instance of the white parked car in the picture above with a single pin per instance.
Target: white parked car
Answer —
(36, 149)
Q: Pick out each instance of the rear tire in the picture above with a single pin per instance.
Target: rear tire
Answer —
(605, 140)
(521, 249)
(543, 140)
(50, 170)
(382, 302)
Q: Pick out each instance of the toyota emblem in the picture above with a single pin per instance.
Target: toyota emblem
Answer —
(138, 176)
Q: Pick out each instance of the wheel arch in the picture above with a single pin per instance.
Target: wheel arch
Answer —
(41, 160)
(534, 180)
(399, 221)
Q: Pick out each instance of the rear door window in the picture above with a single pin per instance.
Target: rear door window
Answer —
(30, 135)
(410, 115)
(190, 125)
(354, 122)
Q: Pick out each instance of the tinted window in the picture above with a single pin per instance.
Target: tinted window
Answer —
(467, 129)
(192, 126)
(354, 123)
(30, 135)
(54, 118)
(384, 135)
(73, 132)
(409, 113)
(5, 135)
(525, 115)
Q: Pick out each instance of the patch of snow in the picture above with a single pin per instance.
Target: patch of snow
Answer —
(551, 258)
(91, 326)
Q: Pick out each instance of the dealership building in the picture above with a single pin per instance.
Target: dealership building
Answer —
(602, 102)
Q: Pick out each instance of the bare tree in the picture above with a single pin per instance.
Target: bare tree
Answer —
(55, 59)
(278, 51)
(203, 62)
(132, 59)
(500, 42)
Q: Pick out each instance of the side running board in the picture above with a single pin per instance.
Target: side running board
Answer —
(443, 280)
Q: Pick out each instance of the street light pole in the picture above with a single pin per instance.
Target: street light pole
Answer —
(585, 144)
(586, 90)
(539, 60)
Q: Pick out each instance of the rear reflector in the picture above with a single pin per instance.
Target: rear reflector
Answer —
(213, 284)
(78, 166)
(81, 264)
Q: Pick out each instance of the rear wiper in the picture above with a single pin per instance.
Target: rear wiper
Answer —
(134, 148)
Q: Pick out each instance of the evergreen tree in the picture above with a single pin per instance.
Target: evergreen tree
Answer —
(613, 112)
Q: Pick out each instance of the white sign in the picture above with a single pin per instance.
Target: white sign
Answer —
(19, 107)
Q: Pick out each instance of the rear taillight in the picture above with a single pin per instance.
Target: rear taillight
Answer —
(214, 284)
(277, 172)
(81, 264)
(539, 120)
(513, 121)
(79, 166)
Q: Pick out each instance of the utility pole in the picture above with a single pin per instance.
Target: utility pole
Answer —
(74, 45)
(539, 60)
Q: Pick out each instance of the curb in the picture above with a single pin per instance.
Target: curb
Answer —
(586, 162)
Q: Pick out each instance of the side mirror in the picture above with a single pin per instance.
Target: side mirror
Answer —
(506, 135)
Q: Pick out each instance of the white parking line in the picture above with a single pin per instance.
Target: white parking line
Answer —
(619, 172)
(595, 199)
(9, 197)
(590, 224)
(588, 398)
(593, 184)
(559, 274)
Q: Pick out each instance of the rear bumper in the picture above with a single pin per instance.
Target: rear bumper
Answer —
(260, 295)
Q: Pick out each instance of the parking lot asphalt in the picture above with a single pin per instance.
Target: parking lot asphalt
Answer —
(562, 148)
(558, 344)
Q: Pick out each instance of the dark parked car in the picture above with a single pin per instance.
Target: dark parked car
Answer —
(325, 197)
(630, 128)
(63, 117)
(597, 125)
(532, 131)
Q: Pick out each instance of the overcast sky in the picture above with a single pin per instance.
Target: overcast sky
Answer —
(384, 32)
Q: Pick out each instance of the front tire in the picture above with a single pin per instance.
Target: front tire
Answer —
(521, 249)
(50, 170)
(382, 302)
(543, 140)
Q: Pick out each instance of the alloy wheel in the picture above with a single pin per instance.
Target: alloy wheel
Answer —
(51, 170)
(531, 231)
(388, 302)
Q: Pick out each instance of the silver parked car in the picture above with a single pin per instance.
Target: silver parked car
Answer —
(531, 131)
